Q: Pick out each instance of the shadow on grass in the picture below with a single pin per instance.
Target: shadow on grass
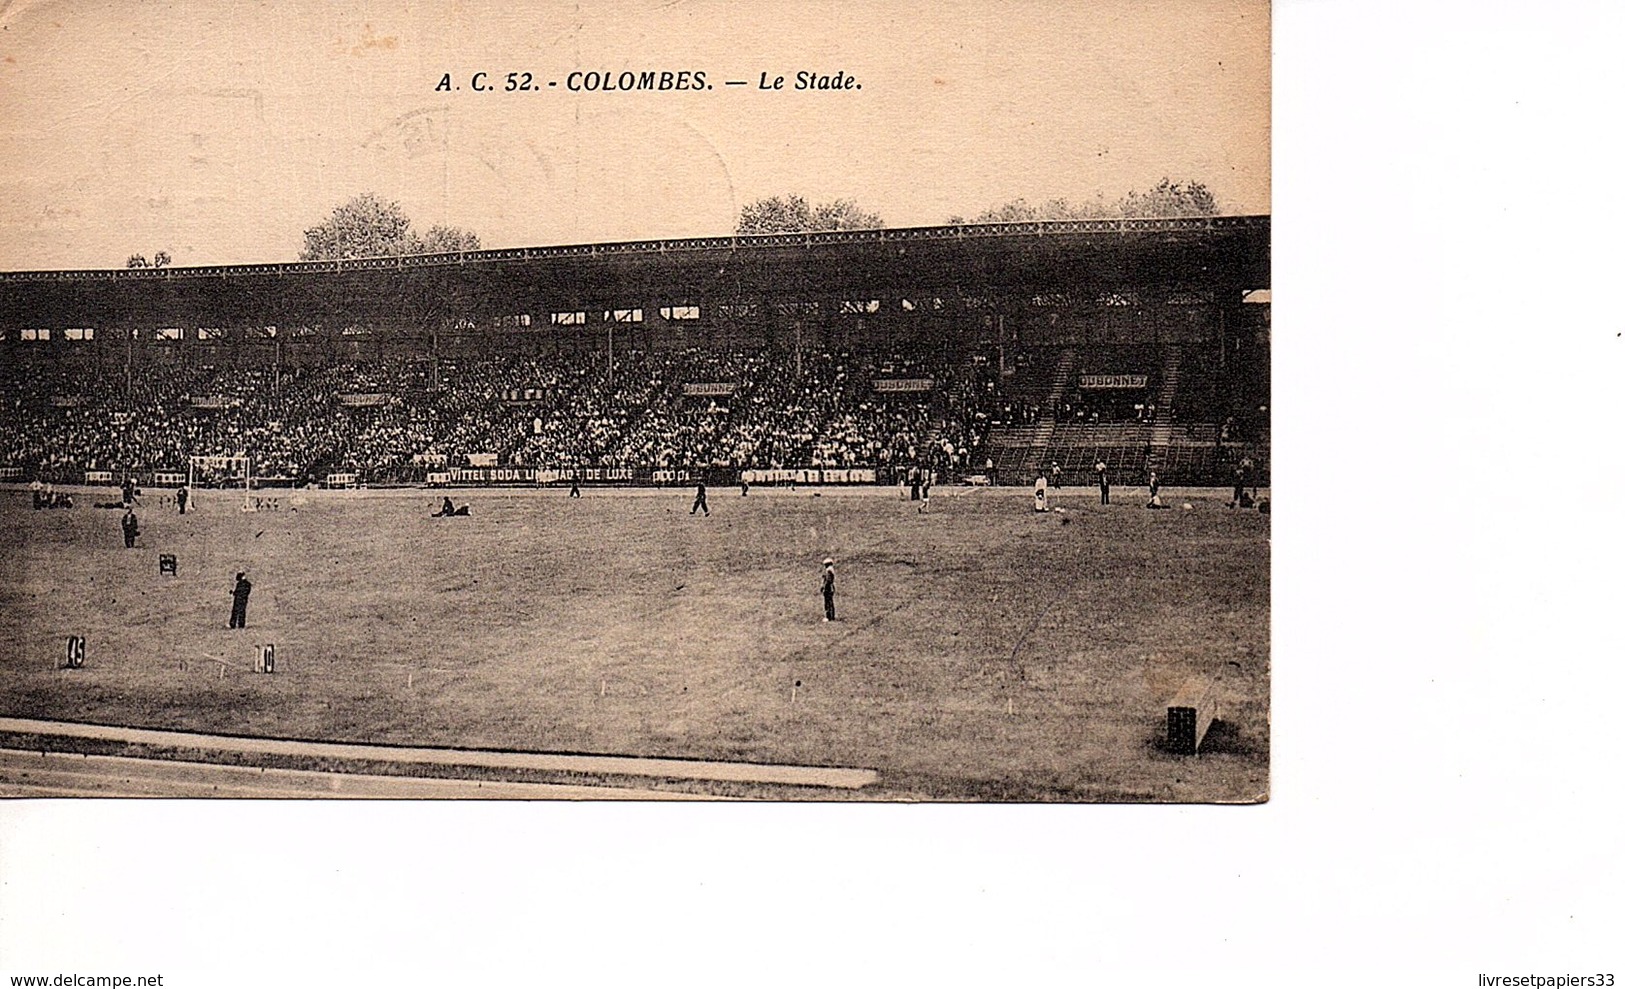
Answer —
(1222, 738)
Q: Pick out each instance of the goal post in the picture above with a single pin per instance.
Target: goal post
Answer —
(223, 472)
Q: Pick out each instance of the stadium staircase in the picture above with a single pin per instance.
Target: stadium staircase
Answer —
(1162, 424)
(1020, 452)
(1039, 451)
(1038, 447)
(1060, 381)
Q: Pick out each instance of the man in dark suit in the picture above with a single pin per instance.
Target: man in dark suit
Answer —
(699, 500)
(132, 528)
(827, 585)
(239, 601)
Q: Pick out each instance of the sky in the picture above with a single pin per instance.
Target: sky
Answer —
(220, 131)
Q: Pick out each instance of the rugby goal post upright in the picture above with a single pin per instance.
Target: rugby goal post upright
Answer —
(222, 472)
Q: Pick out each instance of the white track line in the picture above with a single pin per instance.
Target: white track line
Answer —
(681, 769)
(25, 774)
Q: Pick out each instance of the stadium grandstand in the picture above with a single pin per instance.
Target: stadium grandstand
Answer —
(987, 353)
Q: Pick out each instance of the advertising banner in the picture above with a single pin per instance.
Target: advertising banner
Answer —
(904, 384)
(1112, 381)
(710, 388)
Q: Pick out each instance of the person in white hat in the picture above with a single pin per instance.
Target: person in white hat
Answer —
(828, 584)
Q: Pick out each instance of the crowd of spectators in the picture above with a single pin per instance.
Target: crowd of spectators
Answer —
(392, 419)
(1108, 406)
(1113, 405)
(1017, 412)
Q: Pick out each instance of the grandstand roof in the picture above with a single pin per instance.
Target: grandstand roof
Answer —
(984, 258)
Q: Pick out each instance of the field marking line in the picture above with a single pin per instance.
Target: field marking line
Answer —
(1022, 638)
(102, 774)
(611, 765)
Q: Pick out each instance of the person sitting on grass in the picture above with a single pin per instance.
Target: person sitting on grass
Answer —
(1155, 486)
(447, 510)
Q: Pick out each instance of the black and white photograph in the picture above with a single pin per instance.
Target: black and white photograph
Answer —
(808, 492)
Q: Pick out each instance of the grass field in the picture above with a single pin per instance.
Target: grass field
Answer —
(983, 651)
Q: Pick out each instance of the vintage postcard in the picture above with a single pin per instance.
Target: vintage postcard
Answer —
(784, 401)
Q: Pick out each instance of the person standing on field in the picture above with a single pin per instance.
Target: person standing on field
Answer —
(827, 584)
(239, 601)
(181, 494)
(1040, 490)
(699, 500)
(1105, 484)
(132, 528)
